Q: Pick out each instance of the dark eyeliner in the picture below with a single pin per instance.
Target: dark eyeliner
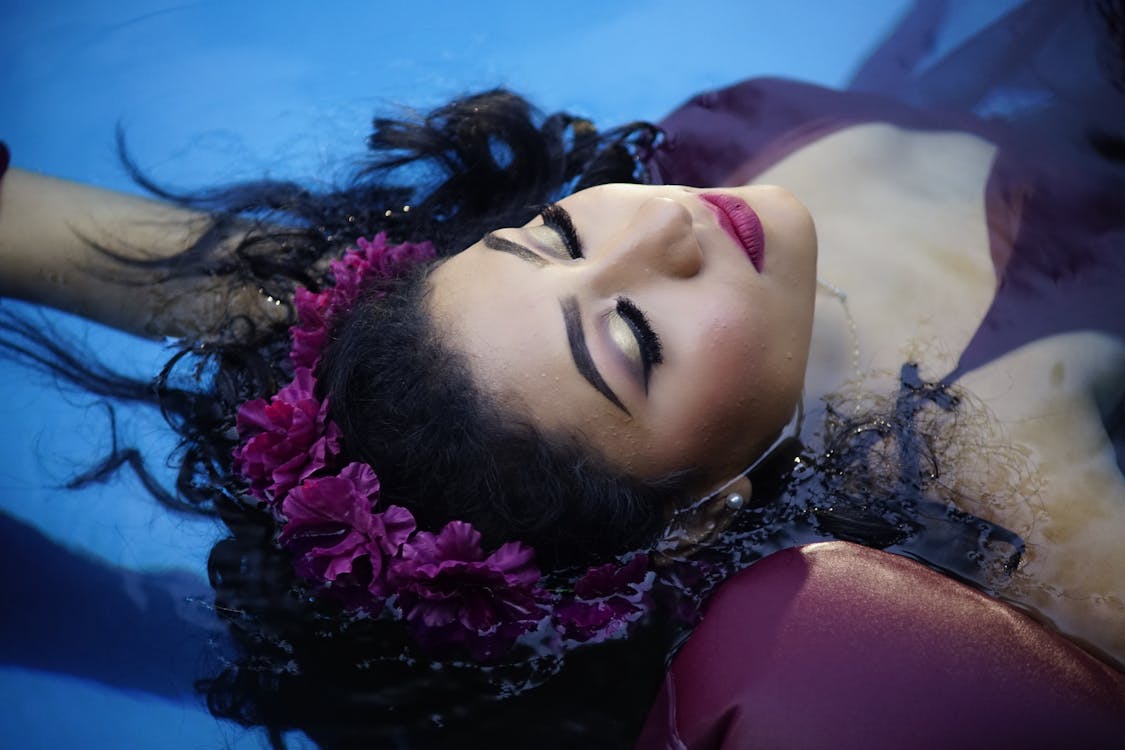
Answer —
(557, 218)
(652, 353)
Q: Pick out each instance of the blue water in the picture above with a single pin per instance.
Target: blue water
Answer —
(221, 90)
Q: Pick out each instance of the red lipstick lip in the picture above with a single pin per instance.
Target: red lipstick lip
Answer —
(741, 223)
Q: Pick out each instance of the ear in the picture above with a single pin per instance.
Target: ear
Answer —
(697, 525)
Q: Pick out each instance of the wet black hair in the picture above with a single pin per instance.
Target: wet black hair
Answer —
(407, 405)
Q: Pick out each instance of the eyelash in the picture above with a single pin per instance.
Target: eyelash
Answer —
(652, 353)
(556, 217)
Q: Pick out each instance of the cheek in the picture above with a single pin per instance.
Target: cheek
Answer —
(729, 343)
(714, 387)
(747, 380)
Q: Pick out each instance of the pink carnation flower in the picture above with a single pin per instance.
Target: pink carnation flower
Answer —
(311, 333)
(316, 311)
(285, 440)
(452, 594)
(372, 259)
(605, 601)
(392, 260)
(335, 534)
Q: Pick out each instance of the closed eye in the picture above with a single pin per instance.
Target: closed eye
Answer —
(557, 218)
(648, 343)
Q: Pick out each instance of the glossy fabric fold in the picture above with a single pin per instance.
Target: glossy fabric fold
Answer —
(841, 646)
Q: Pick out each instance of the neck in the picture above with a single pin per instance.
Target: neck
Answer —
(833, 355)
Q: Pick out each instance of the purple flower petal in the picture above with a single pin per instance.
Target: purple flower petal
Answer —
(311, 333)
(285, 440)
(453, 596)
(517, 562)
(392, 528)
(363, 479)
(458, 541)
(332, 528)
(606, 599)
(318, 311)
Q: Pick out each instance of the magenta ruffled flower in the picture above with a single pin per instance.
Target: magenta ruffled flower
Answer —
(285, 440)
(310, 335)
(452, 594)
(369, 260)
(605, 601)
(316, 312)
(335, 534)
(387, 261)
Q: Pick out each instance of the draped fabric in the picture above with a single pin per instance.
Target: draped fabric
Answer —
(833, 645)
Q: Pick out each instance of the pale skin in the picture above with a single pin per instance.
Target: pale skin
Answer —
(1050, 399)
(921, 193)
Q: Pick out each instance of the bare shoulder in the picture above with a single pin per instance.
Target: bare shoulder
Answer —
(1057, 394)
(1053, 400)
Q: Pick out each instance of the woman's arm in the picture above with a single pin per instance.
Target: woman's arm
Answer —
(49, 233)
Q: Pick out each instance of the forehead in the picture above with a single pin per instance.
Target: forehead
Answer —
(498, 312)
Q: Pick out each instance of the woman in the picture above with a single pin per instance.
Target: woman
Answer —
(654, 338)
(685, 405)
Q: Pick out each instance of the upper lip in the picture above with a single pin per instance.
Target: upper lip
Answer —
(740, 222)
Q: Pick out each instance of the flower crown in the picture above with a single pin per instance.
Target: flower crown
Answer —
(375, 559)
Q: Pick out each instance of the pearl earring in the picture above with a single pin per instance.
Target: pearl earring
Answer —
(735, 501)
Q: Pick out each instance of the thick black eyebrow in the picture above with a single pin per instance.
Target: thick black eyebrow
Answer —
(492, 242)
(578, 349)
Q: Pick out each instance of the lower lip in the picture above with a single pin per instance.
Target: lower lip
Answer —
(741, 223)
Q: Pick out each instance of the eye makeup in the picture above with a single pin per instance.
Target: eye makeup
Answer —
(627, 325)
(638, 341)
(576, 338)
(557, 218)
(494, 242)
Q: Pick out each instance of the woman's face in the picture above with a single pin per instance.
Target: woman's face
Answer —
(654, 334)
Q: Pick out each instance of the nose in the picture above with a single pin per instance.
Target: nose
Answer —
(659, 240)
